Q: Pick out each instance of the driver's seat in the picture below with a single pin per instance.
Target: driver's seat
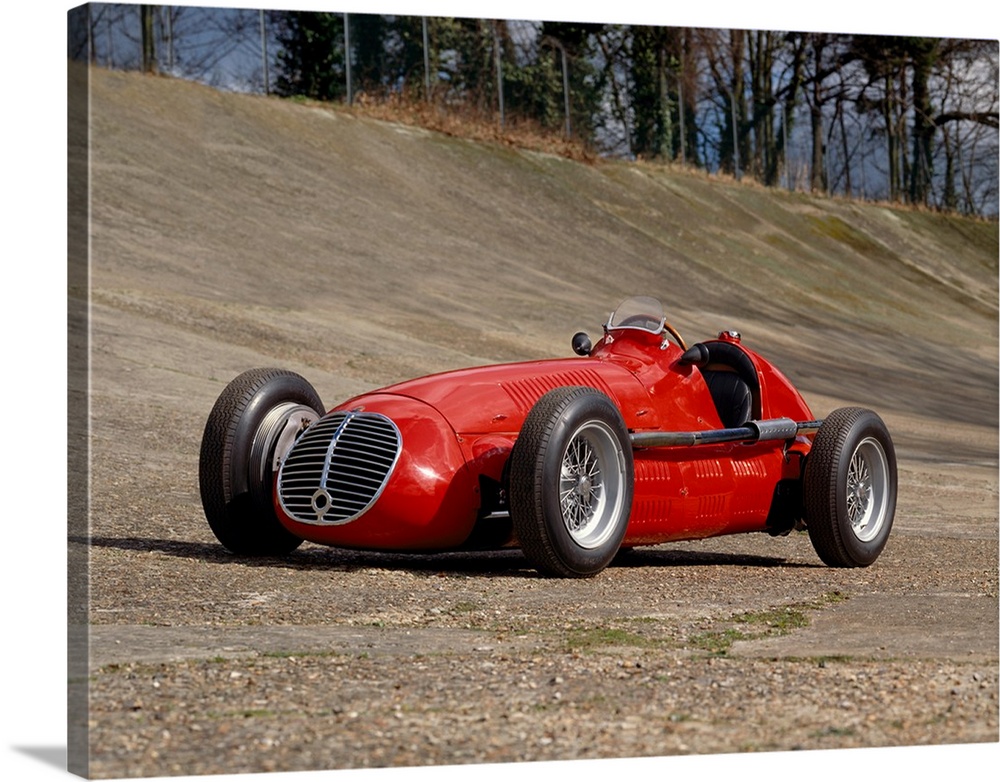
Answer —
(731, 395)
(731, 379)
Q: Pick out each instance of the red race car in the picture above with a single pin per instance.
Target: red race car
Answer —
(639, 441)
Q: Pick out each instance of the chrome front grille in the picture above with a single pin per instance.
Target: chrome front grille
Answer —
(338, 467)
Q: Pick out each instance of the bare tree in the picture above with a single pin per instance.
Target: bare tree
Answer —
(909, 119)
(146, 22)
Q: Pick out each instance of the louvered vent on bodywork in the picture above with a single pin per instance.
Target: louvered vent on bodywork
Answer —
(525, 392)
(338, 467)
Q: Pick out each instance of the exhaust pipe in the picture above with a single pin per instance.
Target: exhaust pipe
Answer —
(753, 432)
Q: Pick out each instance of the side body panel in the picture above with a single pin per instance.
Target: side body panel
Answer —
(684, 493)
(703, 491)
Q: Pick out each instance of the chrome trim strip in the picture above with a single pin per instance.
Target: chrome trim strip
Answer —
(325, 474)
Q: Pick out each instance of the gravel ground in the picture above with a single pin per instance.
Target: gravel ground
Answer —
(502, 705)
(201, 662)
(732, 645)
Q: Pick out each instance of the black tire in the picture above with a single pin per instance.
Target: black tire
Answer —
(258, 413)
(567, 530)
(849, 488)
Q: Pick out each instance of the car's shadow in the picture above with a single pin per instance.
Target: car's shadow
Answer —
(509, 562)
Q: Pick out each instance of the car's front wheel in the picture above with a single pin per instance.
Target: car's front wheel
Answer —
(571, 482)
(253, 424)
(849, 488)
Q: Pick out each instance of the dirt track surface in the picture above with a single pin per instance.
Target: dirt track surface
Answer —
(230, 232)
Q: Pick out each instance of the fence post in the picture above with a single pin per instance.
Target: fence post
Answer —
(496, 54)
(169, 36)
(347, 59)
(427, 63)
(91, 48)
(680, 108)
(680, 119)
(736, 145)
(148, 39)
(555, 42)
(786, 146)
(569, 127)
(263, 53)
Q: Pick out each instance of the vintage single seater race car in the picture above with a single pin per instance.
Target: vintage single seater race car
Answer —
(640, 440)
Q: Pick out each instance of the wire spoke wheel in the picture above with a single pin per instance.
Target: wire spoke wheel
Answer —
(849, 488)
(571, 482)
(866, 489)
(590, 484)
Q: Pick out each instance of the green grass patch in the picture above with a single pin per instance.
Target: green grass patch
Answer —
(595, 637)
(834, 731)
(777, 622)
(289, 655)
(833, 227)
(716, 643)
(823, 660)
(753, 625)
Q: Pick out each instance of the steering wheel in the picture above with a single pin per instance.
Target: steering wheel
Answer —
(676, 335)
(640, 321)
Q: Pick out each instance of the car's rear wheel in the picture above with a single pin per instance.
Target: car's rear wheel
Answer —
(253, 423)
(849, 488)
(571, 482)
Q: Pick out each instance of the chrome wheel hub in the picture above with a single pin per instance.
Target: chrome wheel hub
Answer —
(867, 489)
(591, 484)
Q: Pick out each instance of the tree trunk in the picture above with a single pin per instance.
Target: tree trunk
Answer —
(146, 15)
(732, 146)
(689, 124)
(765, 154)
(788, 110)
(846, 151)
(891, 137)
(817, 178)
(817, 173)
(923, 124)
(950, 196)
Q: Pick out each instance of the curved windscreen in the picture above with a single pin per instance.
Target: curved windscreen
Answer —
(638, 312)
